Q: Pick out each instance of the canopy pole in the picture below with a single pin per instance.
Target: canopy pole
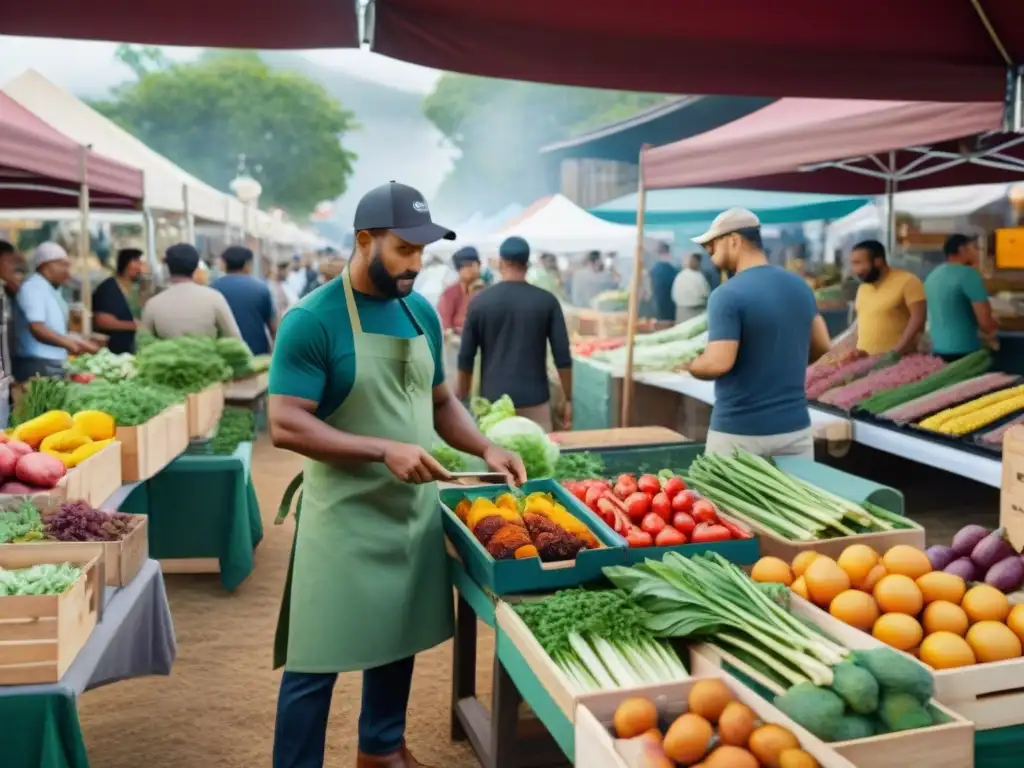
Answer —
(83, 242)
(890, 205)
(634, 293)
(189, 220)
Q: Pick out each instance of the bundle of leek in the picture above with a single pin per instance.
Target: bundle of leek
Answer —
(598, 640)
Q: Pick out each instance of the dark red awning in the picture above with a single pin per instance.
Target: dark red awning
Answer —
(873, 49)
(41, 167)
(268, 24)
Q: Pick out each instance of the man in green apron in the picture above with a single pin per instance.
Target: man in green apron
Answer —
(357, 386)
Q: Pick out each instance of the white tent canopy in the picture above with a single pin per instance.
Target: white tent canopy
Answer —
(473, 229)
(561, 226)
(943, 203)
(166, 185)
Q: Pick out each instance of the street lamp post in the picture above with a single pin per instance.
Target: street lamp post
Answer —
(248, 192)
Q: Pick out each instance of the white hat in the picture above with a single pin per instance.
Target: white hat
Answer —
(47, 252)
(728, 222)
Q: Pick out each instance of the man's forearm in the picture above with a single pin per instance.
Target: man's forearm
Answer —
(565, 377)
(456, 427)
(47, 336)
(908, 341)
(463, 384)
(296, 430)
(700, 369)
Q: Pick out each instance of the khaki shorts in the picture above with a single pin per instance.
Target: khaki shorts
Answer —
(799, 443)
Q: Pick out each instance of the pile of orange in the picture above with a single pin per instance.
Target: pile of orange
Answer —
(899, 599)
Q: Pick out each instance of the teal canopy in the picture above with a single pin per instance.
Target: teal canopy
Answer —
(696, 207)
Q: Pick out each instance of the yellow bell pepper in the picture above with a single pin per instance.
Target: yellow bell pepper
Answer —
(96, 424)
(34, 430)
(65, 441)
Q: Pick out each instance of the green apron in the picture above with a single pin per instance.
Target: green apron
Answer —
(368, 579)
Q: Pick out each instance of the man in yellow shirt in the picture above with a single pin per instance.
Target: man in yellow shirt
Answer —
(891, 307)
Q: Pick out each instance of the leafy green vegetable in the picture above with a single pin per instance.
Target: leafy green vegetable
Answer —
(104, 364)
(42, 394)
(237, 425)
(448, 457)
(131, 402)
(528, 439)
(186, 364)
(579, 466)
(489, 414)
(20, 522)
(42, 579)
(236, 356)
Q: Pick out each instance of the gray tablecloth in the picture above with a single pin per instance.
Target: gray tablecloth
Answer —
(134, 638)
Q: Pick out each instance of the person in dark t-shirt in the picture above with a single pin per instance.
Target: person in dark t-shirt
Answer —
(512, 323)
(250, 299)
(111, 305)
(663, 274)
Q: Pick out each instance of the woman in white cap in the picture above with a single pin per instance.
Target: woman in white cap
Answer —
(42, 343)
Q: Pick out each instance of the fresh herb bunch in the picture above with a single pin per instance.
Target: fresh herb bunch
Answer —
(236, 356)
(448, 457)
(77, 521)
(41, 579)
(130, 402)
(41, 395)
(186, 364)
(20, 522)
(579, 466)
(237, 425)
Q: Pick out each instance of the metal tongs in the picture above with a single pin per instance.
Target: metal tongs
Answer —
(486, 478)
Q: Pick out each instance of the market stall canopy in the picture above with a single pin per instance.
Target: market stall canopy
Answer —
(557, 224)
(674, 120)
(166, 183)
(700, 205)
(42, 168)
(224, 24)
(475, 227)
(845, 147)
(875, 49)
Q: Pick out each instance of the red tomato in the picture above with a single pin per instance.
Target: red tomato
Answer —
(704, 512)
(625, 477)
(592, 495)
(673, 486)
(683, 522)
(683, 501)
(637, 505)
(637, 538)
(661, 506)
(669, 537)
(652, 524)
(649, 484)
(708, 532)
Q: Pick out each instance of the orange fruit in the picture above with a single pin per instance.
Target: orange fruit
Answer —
(875, 575)
(825, 579)
(941, 586)
(769, 741)
(907, 561)
(858, 560)
(897, 593)
(1015, 621)
(856, 608)
(708, 698)
(801, 561)
(800, 587)
(993, 641)
(898, 630)
(772, 570)
(943, 616)
(796, 758)
(944, 650)
(985, 603)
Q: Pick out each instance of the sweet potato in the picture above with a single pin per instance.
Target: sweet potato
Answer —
(40, 470)
(8, 460)
(20, 448)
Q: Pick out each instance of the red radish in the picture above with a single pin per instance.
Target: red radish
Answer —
(682, 522)
(704, 512)
(649, 484)
(592, 495)
(662, 507)
(637, 505)
(624, 490)
(683, 501)
(673, 486)
(638, 539)
(652, 524)
(8, 460)
(669, 537)
(708, 532)
(20, 448)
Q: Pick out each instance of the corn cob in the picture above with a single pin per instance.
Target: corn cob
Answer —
(940, 419)
(970, 422)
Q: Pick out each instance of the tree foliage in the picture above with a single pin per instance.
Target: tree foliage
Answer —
(498, 126)
(202, 115)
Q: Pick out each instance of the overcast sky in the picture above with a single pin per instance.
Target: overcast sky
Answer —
(84, 66)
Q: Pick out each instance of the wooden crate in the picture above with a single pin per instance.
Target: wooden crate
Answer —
(148, 448)
(773, 544)
(40, 636)
(94, 480)
(610, 438)
(204, 411)
(989, 695)
(947, 745)
(244, 390)
(597, 748)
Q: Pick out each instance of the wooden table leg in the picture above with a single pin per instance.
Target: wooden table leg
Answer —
(463, 663)
(504, 719)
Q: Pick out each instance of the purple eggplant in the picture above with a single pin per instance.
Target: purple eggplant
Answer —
(967, 539)
(1006, 575)
(940, 556)
(991, 550)
(963, 567)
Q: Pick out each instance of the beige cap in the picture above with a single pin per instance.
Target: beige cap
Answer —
(47, 252)
(728, 222)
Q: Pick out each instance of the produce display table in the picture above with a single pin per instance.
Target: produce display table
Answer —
(203, 515)
(134, 638)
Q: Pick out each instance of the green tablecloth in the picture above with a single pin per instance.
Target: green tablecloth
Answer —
(54, 720)
(203, 506)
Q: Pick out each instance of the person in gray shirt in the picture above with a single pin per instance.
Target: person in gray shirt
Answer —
(590, 280)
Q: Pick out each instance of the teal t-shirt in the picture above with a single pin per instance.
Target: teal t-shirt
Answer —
(950, 290)
(314, 356)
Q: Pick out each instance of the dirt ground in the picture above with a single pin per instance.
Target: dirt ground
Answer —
(216, 710)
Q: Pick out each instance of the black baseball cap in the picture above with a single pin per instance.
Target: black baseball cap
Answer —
(514, 248)
(465, 255)
(400, 209)
(955, 242)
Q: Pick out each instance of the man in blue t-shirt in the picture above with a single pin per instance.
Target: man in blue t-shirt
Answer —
(250, 299)
(958, 307)
(763, 330)
(663, 274)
